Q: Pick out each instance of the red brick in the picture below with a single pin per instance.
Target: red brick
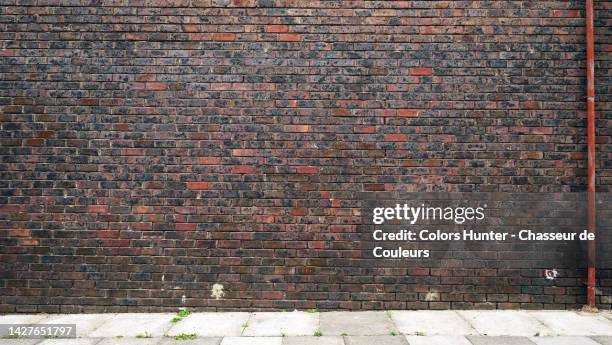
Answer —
(297, 128)
(299, 211)
(122, 126)
(342, 112)
(7, 52)
(34, 142)
(421, 71)
(243, 169)
(289, 37)
(224, 37)
(28, 242)
(396, 137)
(143, 209)
(566, 13)
(197, 185)
(308, 170)
(185, 226)
(542, 130)
(97, 209)
(142, 226)
(407, 112)
(277, 28)
(132, 152)
(209, 160)
(244, 152)
(107, 234)
(365, 129)
(191, 28)
(10, 208)
(89, 101)
(155, 86)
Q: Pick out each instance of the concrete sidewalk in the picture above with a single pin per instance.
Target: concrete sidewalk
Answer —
(328, 328)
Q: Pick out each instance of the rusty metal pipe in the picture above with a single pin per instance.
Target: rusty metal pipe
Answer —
(590, 99)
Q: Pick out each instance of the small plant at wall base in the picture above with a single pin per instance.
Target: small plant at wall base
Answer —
(144, 336)
(183, 313)
(186, 336)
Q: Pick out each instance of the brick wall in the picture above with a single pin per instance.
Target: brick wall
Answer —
(150, 151)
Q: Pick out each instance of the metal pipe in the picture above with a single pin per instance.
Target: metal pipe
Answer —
(590, 99)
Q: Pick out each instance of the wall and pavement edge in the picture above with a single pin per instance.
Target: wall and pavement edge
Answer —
(151, 149)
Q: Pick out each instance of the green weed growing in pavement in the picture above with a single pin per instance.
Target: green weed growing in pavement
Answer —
(344, 334)
(313, 310)
(182, 313)
(317, 334)
(145, 335)
(393, 333)
(420, 334)
(537, 334)
(185, 336)
(10, 336)
(244, 325)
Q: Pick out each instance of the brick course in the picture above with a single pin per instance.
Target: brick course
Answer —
(154, 149)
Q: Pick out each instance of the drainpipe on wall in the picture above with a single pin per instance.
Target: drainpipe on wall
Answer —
(590, 98)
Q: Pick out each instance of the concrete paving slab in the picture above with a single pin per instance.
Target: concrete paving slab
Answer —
(313, 340)
(507, 322)
(278, 324)
(356, 323)
(484, 340)
(22, 318)
(377, 339)
(19, 341)
(198, 341)
(571, 323)
(252, 341)
(26, 319)
(81, 341)
(603, 340)
(425, 322)
(129, 341)
(134, 324)
(85, 323)
(437, 340)
(211, 324)
(563, 341)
